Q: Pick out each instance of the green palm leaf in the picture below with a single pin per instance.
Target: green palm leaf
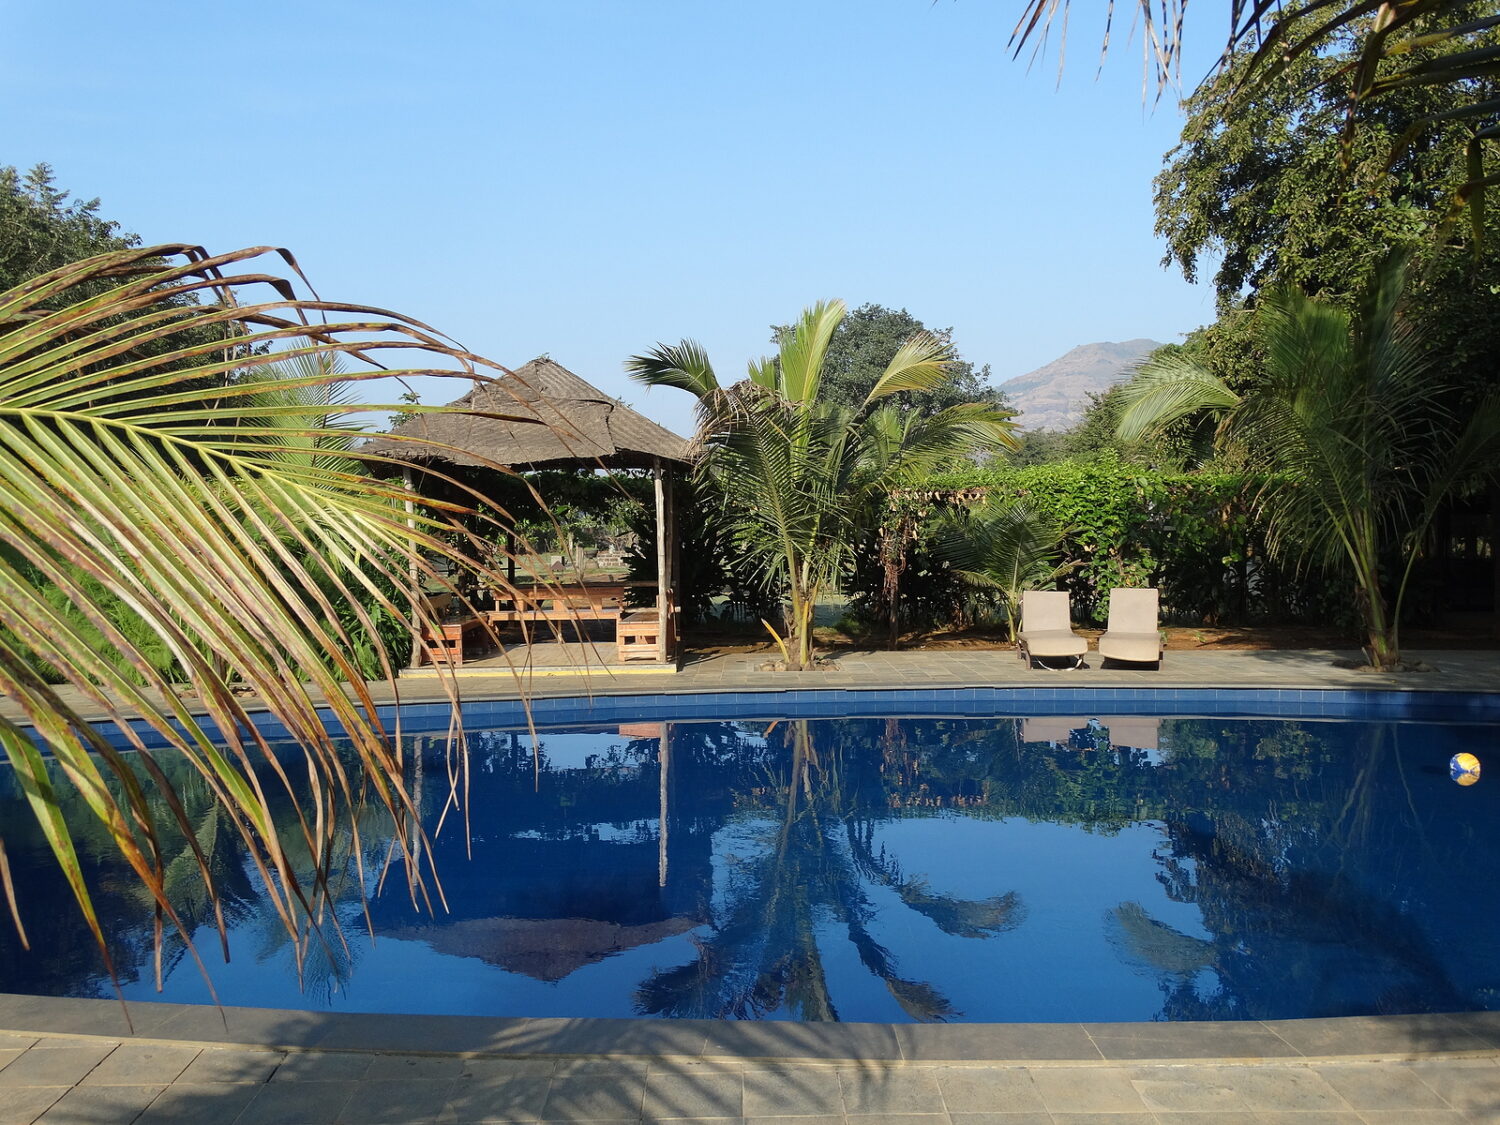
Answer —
(173, 454)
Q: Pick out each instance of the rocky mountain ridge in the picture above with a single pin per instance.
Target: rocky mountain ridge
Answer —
(1055, 395)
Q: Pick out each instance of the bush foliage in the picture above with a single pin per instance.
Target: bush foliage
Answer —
(1193, 535)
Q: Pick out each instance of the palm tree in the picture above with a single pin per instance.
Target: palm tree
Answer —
(798, 473)
(1006, 547)
(1353, 429)
(176, 512)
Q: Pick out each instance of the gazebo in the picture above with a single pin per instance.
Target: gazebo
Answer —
(542, 416)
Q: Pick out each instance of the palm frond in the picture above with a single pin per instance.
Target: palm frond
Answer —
(920, 364)
(145, 432)
(803, 349)
(684, 366)
(1166, 389)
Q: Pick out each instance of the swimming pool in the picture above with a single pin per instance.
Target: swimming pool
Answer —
(1041, 867)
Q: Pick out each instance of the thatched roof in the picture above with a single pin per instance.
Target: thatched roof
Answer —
(574, 424)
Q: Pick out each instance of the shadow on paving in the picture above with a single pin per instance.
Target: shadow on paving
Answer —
(193, 1067)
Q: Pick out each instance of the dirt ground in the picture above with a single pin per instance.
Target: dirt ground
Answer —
(1471, 631)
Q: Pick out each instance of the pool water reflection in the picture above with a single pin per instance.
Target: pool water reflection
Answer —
(994, 869)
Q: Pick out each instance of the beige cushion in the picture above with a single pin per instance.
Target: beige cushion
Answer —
(1133, 633)
(1046, 629)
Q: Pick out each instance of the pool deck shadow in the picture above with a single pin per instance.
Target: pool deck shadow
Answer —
(77, 1061)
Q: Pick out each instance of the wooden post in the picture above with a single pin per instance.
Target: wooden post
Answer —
(674, 565)
(663, 554)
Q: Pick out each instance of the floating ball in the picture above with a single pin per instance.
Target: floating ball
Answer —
(1464, 768)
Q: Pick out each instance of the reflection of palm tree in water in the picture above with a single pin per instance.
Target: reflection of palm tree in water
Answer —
(764, 954)
(1281, 920)
(322, 957)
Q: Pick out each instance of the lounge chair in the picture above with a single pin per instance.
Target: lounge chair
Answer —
(1047, 629)
(1134, 632)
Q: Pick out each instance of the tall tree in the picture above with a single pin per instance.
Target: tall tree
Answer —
(1257, 186)
(868, 339)
(1349, 420)
(798, 473)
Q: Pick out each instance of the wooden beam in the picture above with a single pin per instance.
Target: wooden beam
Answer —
(663, 610)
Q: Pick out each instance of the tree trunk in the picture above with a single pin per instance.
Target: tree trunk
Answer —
(1384, 651)
(805, 635)
(799, 631)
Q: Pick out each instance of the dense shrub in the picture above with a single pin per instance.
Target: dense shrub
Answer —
(1193, 535)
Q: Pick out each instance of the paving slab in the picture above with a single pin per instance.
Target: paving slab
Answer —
(595, 1097)
(694, 1094)
(64, 1066)
(785, 1040)
(409, 1101)
(220, 1065)
(496, 1099)
(1377, 1035)
(300, 1103)
(868, 1090)
(782, 1092)
(141, 1064)
(1188, 1041)
(187, 1103)
(87, 1105)
(1088, 1090)
(947, 1042)
(1381, 1086)
(971, 1090)
(21, 1105)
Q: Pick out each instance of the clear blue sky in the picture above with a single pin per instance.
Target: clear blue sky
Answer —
(587, 178)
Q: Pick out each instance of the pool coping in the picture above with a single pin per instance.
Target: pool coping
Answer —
(500, 710)
(1346, 1038)
(1190, 675)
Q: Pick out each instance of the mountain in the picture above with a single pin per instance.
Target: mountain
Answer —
(1054, 397)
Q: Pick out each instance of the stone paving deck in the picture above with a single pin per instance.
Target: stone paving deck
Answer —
(74, 1061)
(62, 1080)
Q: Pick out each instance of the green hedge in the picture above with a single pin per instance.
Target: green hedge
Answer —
(1192, 535)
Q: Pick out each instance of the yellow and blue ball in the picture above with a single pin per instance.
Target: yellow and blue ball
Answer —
(1464, 768)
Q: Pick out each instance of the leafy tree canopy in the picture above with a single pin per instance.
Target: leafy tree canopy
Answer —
(40, 229)
(863, 347)
(1259, 187)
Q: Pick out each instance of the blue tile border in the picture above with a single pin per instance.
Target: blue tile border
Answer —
(971, 702)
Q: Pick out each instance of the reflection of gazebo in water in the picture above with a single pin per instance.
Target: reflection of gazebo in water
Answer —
(542, 416)
(564, 867)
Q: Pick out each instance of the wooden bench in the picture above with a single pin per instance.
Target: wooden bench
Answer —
(638, 636)
(602, 601)
(448, 647)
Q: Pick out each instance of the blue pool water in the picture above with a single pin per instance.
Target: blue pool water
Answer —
(1032, 868)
